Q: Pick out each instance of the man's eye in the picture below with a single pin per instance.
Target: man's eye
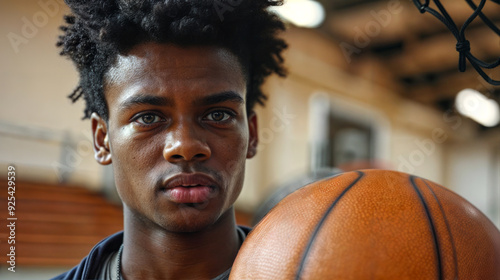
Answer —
(147, 119)
(219, 116)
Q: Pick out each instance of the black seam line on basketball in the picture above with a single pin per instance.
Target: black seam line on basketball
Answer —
(431, 223)
(447, 227)
(320, 224)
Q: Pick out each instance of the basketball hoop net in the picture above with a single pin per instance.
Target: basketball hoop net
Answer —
(463, 45)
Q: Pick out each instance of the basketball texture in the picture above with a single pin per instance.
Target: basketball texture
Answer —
(371, 224)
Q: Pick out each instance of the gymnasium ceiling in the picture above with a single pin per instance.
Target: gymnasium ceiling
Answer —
(417, 49)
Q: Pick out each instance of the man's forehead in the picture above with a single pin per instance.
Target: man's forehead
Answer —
(168, 59)
(171, 72)
(118, 73)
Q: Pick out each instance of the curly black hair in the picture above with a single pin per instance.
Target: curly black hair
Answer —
(98, 31)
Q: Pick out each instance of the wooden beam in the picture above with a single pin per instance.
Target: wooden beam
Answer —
(436, 54)
(389, 21)
(448, 86)
(380, 25)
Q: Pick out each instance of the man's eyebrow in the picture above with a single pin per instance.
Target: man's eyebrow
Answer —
(146, 100)
(219, 98)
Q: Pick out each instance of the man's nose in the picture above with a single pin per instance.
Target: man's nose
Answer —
(185, 143)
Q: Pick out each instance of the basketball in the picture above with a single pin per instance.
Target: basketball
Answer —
(371, 224)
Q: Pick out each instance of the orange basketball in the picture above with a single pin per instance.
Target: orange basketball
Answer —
(371, 224)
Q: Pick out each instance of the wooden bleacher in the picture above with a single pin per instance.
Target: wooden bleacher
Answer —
(57, 225)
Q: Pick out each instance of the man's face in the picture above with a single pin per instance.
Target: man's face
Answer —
(178, 134)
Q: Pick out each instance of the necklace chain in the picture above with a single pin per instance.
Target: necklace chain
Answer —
(118, 266)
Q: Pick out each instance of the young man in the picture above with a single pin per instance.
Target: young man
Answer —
(170, 88)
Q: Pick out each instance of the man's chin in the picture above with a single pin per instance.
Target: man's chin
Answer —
(191, 218)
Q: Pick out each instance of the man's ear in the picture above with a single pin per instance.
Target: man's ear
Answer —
(253, 135)
(102, 152)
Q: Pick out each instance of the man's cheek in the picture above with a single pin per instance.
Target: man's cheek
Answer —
(231, 166)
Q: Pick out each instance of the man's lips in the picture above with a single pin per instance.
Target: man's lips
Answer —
(189, 188)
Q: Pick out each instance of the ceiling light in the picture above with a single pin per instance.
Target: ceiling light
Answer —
(476, 106)
(303, 13)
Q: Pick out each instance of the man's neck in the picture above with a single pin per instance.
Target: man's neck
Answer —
(154, 253)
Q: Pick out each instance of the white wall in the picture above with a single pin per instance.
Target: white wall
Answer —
(473, 172)
(36, 118)
(417, 154)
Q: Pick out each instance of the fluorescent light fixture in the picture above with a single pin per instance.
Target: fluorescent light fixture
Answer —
(476, 106)
(303, 13)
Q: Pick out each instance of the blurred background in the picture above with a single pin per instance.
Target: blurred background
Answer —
(371, 84)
